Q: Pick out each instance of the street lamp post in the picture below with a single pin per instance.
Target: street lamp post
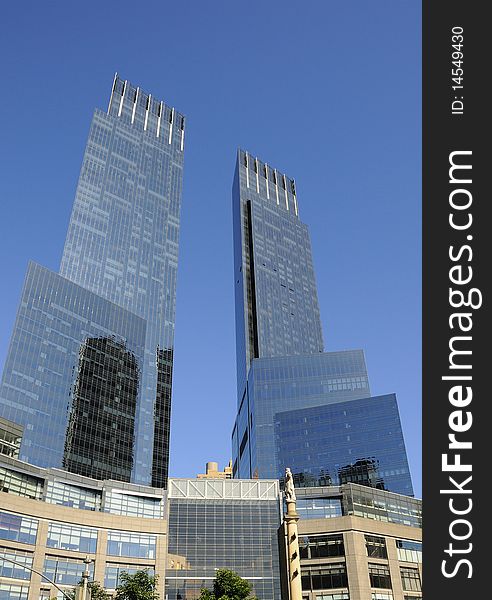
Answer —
(85, 579)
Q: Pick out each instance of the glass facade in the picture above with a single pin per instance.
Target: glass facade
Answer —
(293, 399)
(22, 570)
(379, 576)
(114, 570)
(122, 243)
(66, 571)
(20, 484)
(217, 524)
(12, 591)
(89, 370)
(321, 546)
(379, 505)
(132, 504)
(10, 438)
(66, 494)
(17, 528)
(409, 551)
(44, 385)
(324, 577)
(277, 312)
(72, 537)
(99, 439)
(286, 383)
(319, 508)
(359, 441)
(134, 545)
(362, 501)
(410, 579)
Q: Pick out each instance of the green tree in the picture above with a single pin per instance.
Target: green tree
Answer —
(228, 586)
(96, 589)
(139, 586)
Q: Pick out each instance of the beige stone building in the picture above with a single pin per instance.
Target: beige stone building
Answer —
(355, 543)
(51, 520)
(359, 543)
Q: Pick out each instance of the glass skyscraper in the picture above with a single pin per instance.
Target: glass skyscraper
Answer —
(122, 248)
(291, 394)
(277, 312)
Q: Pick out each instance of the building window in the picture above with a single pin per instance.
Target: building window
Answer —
(376, 547)
(73, 496)
(371, 503)
(13, 592)
(379, 576)
(19, 484)
(134, 545)
(65, 571)
(321, 546)
(71, 537)
(17, 528)
(324, 577)
(113, 572)
(319, 508)
(335, 596)
(410, 579)
(381, 596)
(12, 570)
(409, 551)
(129, 505)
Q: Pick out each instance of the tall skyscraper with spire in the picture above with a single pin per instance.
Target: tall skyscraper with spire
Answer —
(298, 406)
(91, 355)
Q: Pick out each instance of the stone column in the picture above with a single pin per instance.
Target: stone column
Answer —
(291, 518)
(294, 560)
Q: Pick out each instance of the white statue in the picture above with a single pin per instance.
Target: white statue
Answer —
(290, 494)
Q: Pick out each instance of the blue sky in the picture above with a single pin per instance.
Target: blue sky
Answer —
(328, 92)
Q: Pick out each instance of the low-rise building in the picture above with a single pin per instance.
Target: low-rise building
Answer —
(355, 542)
(359, 543)
(50, 520)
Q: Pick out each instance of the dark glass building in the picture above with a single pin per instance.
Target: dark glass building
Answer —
(296, 402)
(99, 440)
(122, 246)
(72, 377)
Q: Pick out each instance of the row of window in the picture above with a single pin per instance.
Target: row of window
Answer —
(321, 546)
(80, 539)
(65, 494)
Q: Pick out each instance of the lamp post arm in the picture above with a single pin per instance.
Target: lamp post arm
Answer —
(37, 573)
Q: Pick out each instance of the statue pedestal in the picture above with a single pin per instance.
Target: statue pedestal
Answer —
(291, 517)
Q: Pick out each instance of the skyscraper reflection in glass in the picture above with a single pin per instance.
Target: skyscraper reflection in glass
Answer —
(122, 245)
(287, 383)
(356, 441)
(50, 380)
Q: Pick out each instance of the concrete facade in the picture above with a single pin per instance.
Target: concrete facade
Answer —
(354, 530)
(64, 535)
